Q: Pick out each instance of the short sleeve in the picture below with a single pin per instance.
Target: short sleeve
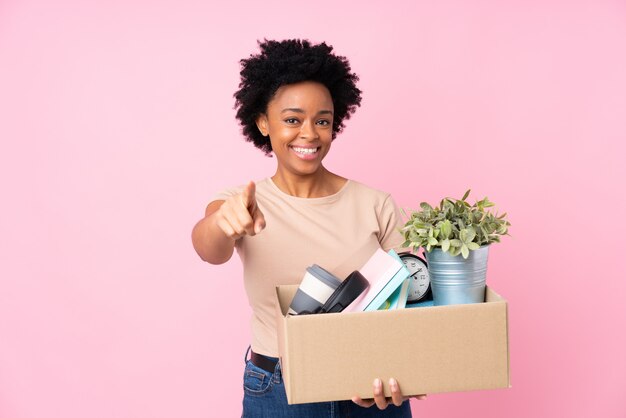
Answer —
(390, 223)
(225, 194)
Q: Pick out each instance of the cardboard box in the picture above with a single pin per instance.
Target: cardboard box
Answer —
(329, 357)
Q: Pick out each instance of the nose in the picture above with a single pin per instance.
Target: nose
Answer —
(308, 131)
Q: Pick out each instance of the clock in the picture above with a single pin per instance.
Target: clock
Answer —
(419, 286)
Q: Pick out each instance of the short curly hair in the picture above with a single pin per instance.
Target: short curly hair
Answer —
(288, 62)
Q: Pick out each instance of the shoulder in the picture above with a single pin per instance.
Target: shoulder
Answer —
(228, 192)
(364, 191)
(263, 188)
(380, 201)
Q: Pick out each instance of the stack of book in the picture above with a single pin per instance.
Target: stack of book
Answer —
(389, 283)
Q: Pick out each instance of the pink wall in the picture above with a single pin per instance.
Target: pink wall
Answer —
(117, 124)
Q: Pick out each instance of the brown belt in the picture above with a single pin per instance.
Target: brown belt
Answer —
(265, 363)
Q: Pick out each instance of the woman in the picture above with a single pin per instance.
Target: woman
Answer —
(292, 101)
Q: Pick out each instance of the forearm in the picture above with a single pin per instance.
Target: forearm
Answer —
(210, 242)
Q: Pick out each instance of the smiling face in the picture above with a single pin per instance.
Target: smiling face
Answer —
(299, 122)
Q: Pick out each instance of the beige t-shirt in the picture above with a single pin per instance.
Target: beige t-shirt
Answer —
(338, 232)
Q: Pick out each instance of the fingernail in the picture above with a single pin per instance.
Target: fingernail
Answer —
(377, 387)
(392, 382)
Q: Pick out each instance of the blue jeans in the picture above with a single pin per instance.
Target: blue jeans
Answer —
(265, 397)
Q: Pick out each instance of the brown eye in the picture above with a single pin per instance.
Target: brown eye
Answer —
(291, 121)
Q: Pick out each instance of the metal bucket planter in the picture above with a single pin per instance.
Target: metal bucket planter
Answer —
(456, 280)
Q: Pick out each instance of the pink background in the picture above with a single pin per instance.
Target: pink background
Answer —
(117, 125)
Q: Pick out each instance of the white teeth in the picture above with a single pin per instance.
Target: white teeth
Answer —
(305, 150)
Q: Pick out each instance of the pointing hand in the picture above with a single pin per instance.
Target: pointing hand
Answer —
(240, 215)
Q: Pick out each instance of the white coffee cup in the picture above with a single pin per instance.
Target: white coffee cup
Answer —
(316, 287)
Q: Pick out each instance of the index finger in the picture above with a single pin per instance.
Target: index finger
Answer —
(248, 196)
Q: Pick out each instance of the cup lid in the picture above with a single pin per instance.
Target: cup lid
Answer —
(324, 276)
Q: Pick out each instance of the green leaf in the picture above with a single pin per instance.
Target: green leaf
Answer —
(445, 245)
(455, 243)
(473, 246)
(425, 206)
(471, 234)
(467, 193)
(464, 251)
(432, 241)
(446, 229)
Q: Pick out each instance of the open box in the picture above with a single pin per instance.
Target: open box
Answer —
(330, 357)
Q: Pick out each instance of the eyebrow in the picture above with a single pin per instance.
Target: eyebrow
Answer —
(298, 110)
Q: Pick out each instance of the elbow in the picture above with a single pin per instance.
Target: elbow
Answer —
(212, 257)
(209, 250)
(213, 260)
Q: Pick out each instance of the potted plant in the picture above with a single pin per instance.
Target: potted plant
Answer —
(456, 237)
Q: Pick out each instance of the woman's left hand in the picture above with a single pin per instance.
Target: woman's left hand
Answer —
(379, 396)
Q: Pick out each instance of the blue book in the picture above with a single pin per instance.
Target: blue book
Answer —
(392, 285)
(397, 300)
(421, 304)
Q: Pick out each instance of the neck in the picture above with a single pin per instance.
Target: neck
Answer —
(319, 184)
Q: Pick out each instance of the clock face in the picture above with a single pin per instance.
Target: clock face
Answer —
(420, 279)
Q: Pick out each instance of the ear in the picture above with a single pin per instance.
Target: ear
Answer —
(262, 124)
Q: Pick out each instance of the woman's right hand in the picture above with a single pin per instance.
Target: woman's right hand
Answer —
(240, 215)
